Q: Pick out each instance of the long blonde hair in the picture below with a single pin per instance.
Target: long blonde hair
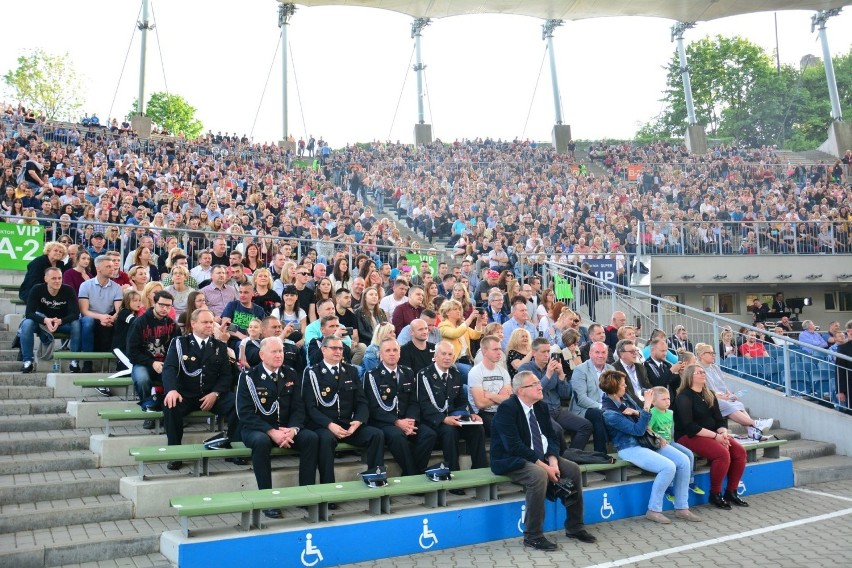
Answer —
(686, 383)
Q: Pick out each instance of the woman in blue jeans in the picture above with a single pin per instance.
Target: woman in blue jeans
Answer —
(626, 422)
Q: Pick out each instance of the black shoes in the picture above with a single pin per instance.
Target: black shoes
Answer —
(540, 543)
(148, 425)
(719, 500)
(105, 391)
(458, 491)
(332, 506)
(174, 465)
(74, 367)
(28, 367)
(87, 367)
(237, 461)
(272, 513)
(582, 535)
(734, 499)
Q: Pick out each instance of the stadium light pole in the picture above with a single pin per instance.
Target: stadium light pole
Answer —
(839, 132)
(285, 12)
(561, 134)
(695, 137)
(422, 131)
(140, 123)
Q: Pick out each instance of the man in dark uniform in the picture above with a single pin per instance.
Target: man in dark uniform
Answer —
(337, 409)
(391, 392)
(442, 405)
(197, 376)
(272, 414)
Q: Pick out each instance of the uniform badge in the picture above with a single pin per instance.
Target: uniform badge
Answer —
(186, 357)
(324, 371)
(263, 400)
(263, 376)
(384, 397)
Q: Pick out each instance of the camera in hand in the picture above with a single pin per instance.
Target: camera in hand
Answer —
(562, 489)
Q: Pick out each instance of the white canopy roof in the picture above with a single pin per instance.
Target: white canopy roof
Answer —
(679, 10)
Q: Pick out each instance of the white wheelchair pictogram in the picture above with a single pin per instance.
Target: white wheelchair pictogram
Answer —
(741, 488)
(310, 550)
(606, 510)
(523, 517)
(427, 536)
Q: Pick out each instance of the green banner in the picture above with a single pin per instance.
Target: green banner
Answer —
(414, 261)
(20, 244)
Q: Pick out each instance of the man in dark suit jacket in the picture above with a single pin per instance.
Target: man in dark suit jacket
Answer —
(391, 391)
(660, 372)
(637, 374)
(197, 376)
(272, 414)
(337, 409)
(524, 446)
(844, 368)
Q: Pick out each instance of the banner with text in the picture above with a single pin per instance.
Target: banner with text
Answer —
(20, 244)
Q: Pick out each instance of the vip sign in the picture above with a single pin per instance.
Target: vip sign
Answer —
(19, 245)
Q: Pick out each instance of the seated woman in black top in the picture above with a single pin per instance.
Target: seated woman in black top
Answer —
(700, 427)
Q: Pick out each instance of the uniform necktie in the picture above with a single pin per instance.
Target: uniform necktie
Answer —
(334, 372)
(536, 435)
(203, 344)
(445, 377)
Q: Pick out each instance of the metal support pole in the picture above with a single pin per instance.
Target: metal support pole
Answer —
(285, 12)
(819, 19)
(143, 26)
(416, 27)
(677, 35)
(547, 34)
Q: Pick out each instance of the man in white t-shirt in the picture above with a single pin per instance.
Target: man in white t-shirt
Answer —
(488, 383)
(390, 302)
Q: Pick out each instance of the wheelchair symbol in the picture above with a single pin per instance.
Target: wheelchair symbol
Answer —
(310, 550)
(741, 488)
(427, 536)
(606, 510)
(521, 520)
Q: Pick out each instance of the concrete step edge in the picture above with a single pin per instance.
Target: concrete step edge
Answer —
(59, 489)
(87, 550)
(47, 461)
(59, 515)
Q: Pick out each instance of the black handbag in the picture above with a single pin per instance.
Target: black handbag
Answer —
(650, 440)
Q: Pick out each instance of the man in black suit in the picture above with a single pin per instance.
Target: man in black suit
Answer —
(337, 409)
(679, 340)
(524, 446)
(844, 368)
(391, 391)
(443, 404)
(637, 376)
(660, 372)
(197, 376)
(272, 414)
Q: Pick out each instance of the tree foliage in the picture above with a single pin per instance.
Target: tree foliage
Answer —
(738, 93)
(47, 83)
(173, 113)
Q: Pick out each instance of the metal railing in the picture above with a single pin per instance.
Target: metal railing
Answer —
(796, 368)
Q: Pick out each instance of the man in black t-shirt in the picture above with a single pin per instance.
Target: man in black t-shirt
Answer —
(51, 307)
(418, 353)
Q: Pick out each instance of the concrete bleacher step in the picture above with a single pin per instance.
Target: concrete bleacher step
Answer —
(62, 512)
(12, 366)
(43, 441)
(8, 354)
(75, 546)
(42, 462)
(57, 485)
(23, 379)
(19, 392)
(800, 450)
(153, 560)
(33, 406)
(36, 423)
(822, 469)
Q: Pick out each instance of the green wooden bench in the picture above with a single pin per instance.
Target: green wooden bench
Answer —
(434, 494)
(98, 381)
(216, 504)
(346, 491)
(483, 481)
(200, 455)
(771, 449)
(105, 358)
(123, 414)
(614, 472)
(17, 301)
(281, 499)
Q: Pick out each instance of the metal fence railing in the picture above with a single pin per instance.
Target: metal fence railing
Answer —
(798, 369)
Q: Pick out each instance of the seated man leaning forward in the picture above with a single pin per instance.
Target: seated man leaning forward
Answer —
(197, 376)
(524, 446)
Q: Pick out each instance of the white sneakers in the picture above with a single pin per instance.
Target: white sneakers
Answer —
(763, 424)
(756, 434)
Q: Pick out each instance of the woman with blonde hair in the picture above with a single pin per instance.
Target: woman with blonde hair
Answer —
(518, 350)
(495, 329)
(138, 278)
(179, 289)
(142, 257)
(264, 296)
(54, 252)
(460, 332)
(461, 294)
(371, 356)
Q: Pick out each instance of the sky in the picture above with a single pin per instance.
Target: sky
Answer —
(350, 76)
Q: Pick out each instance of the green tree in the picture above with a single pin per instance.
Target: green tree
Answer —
(173, 113)
(47, 83)
(722, 71)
